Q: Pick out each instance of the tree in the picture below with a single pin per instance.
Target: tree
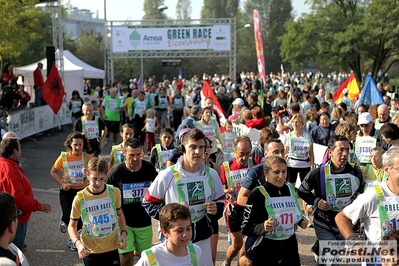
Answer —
(345, 34)
(19, 24)
(35, 48)
(273, 15)
(151, 11)
(183, 10)
(220, 8)
(91, 45)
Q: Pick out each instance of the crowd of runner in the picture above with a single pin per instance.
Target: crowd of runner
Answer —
(176, 148)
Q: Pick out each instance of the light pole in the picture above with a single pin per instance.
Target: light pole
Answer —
(246, 26)
(160, 9)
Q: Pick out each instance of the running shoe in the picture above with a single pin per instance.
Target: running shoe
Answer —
(63, 227)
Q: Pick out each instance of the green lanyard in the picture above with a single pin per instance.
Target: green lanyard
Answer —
(153, 261)
(159, 151)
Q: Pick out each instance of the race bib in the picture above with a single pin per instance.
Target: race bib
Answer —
(299, 147)
(99, 219)
(178, 103)
(391, 205)
(140, 108)
(150, 125)
(134, 192)
(237, 177)
(163, 157)
(91, 129)
(112, 104)
(228, 142)
(75, 106)
(75, 175)
(286, 216)
(364, 145)
(209, 131)
(339, 190)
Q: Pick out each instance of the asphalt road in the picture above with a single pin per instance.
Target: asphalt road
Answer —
(47, 246)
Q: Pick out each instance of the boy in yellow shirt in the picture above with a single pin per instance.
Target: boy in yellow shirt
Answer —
(100, 208)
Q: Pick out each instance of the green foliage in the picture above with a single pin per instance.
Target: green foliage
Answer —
(19, 23)
(39, 24)
(91, 49)
(220, 8)
(273, 15)
(183, 9)
(151, 9)
(344, 35)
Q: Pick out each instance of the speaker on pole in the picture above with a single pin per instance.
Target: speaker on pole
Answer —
(50, 56)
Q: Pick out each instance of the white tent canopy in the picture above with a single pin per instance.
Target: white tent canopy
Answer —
(75, 70)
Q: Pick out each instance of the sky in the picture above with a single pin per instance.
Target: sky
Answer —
(133, 9)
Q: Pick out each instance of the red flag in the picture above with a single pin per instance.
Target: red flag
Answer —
(53, 90)
(207, 92)
(351, 85)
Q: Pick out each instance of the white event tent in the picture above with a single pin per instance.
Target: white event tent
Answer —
(75, 70)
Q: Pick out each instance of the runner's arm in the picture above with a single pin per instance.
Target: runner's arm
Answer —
(152, 206)
(111, 160)
(308, 184)
(122, 227)
(311, 157)
(344, 225)
(255, 215)
(242, 197)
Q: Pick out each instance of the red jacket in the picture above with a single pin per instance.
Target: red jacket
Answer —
(38, 77)
(256, 123)
(7, 78)
(14, 181)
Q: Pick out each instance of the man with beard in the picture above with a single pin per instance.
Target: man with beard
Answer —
(133, 178)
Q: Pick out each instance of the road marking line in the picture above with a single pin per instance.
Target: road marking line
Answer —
(51, 191)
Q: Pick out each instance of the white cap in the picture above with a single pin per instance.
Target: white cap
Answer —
(364, 118)
(238, 101)
(130, 80)
(345, 91)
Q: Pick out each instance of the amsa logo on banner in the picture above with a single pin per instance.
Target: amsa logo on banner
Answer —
(185, 38)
